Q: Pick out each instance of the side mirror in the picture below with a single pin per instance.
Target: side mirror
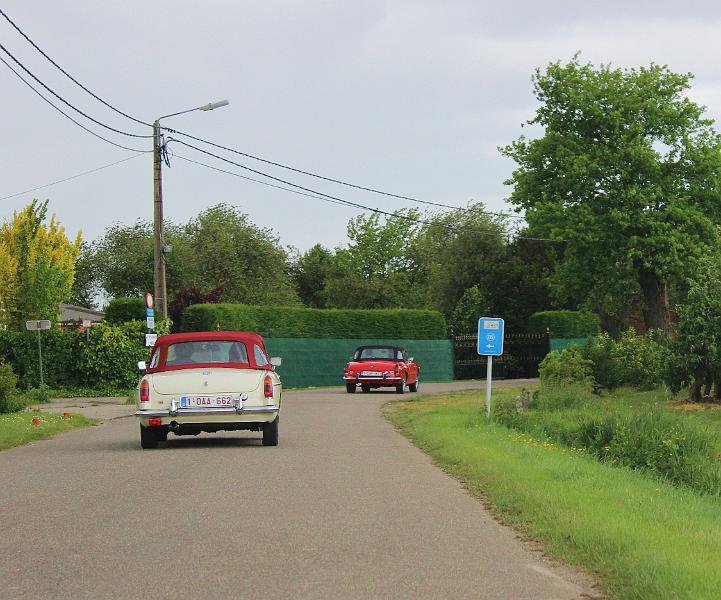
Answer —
(276, 361)
(411, 359)
(142, 366)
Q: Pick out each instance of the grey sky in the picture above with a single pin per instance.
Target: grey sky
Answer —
(409, 96)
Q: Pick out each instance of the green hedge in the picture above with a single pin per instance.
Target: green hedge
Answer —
(120, 310)
(103, 358)
(565, 323)
(287, 322)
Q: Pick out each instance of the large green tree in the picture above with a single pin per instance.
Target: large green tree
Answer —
(310, 272)
(626, 173)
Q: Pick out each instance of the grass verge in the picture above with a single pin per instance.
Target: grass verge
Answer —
(643, 537)
(17, 428)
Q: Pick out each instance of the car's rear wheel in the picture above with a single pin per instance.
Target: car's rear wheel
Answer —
(401, 387)
(366, 388)
(270, 432)
(413, 387)
(350, 388)
(148, 438)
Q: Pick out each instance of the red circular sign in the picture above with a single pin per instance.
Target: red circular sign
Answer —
(149, 300)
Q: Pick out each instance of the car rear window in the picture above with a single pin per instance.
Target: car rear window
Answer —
(188, 353)
(378, 354)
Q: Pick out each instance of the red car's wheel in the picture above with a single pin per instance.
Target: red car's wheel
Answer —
(401, 387)
(413, 387)
(350, 388)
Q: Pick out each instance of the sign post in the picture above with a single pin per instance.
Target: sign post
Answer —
(490, 344)
(150, 336)
(38, 326)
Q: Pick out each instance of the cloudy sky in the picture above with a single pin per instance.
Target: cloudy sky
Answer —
(409, 96)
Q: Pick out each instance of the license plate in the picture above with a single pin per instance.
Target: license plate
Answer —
(207, 401)
(371, 373)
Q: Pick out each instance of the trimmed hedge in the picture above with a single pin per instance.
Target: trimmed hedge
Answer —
(121, 310)
(290, 322)
(565, 323)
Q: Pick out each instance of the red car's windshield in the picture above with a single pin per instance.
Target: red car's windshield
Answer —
(378, 354)
(216, 351)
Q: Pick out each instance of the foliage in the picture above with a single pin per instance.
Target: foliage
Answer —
(37, 264)
(120, 310)
(472, 306)
(567, 366)
(697, 346)
(626, 173)
(17, 429)
(186, 297)
(316, 323)
(9, 399)
(85, 287)
(310, 273)
(565, 323)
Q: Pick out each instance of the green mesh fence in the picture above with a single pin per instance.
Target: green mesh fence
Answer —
(318, 362)
(561, 343)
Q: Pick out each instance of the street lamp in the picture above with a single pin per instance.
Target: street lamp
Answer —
(161, 299)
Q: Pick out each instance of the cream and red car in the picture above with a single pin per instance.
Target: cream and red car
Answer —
(208, 381)
(381, 366)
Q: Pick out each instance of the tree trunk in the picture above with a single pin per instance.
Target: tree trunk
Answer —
(694, 394)
(717, 390)
(655, 300)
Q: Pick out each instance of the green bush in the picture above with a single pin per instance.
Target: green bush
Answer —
(638, 361)
(567, 366)
(9, 399)
(120, 310)
(279, 322)
(565, 323)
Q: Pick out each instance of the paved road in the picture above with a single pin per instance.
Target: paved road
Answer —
(344, 508)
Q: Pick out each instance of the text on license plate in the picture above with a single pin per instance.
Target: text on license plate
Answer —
(371, 373)
(206, 401)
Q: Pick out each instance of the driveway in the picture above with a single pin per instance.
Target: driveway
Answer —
(344, 507)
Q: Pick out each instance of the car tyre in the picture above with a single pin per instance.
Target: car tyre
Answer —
(148, 438)
(350, 388)
(413, 387)
(366, 388)
(270, 432)
(401, 387)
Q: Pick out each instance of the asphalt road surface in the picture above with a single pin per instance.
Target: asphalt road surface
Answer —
(344, 507)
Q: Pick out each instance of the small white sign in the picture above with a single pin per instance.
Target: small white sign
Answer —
(491, 324)
(35, 325)
(150, 339)
(150, 322)
(87, 323)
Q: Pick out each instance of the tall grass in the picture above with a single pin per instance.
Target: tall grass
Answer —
(651, 439)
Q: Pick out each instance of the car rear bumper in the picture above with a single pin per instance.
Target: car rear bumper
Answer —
(373, 380)
(194, 412)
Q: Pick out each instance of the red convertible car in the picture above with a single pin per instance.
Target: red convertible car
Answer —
(381, 366)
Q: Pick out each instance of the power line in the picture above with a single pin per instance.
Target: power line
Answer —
(336, 200)
(24, 68)
(40, 187)
(68, 75)
(245, 154)
(62, 112)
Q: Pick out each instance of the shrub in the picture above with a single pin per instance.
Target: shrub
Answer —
(638, 361)
(275, 321)
(565, 323)
(9, 399)
(567, 366)
(120, 310)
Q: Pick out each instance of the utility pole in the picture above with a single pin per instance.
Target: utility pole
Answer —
(161, 298)
(158, 258)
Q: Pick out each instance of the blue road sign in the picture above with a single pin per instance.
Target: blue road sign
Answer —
(490, 336)
(149, 312)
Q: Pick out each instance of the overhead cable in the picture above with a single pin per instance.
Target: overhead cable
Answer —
(87, 116)
(47, 185)
(62, 112)
(336, 200)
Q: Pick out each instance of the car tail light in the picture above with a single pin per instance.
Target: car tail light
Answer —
(144, 391)
(268, 386)
(154, 422)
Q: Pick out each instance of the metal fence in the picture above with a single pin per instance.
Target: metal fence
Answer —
(522, 353)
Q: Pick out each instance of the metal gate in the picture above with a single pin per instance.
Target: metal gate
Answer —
(522, 353)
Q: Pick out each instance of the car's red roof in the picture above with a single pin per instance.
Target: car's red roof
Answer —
(198, 336)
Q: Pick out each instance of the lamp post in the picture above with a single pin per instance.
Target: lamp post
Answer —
(161, 299)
